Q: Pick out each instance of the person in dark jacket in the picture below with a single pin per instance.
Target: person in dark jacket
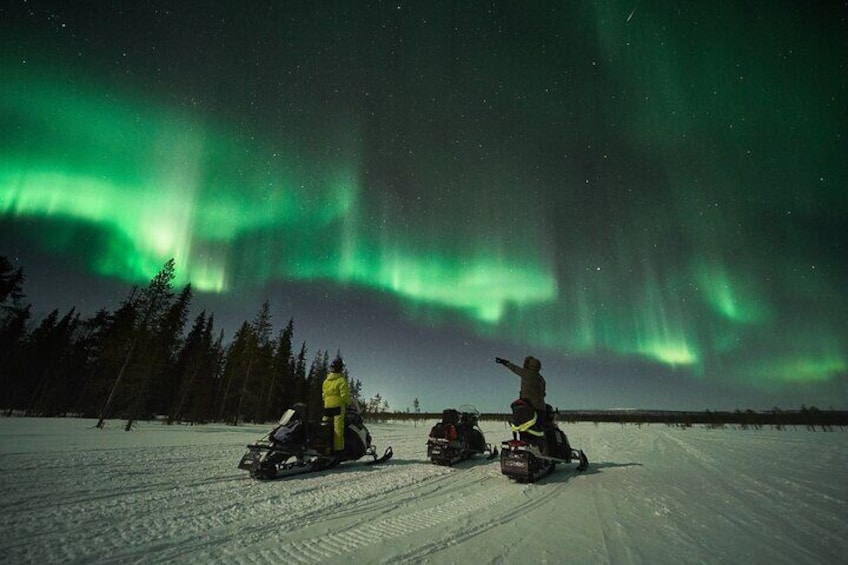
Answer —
(532, 382)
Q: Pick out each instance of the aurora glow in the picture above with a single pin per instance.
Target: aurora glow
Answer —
(666, 189)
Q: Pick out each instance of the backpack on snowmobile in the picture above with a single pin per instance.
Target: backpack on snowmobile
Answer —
(291, 427)
(446, 428)
(457, 437)
(297, 445)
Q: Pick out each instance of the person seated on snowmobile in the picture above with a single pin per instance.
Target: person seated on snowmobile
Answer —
(336, 397)
(532, 384)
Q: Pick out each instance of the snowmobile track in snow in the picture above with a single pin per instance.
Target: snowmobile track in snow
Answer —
(651, 495)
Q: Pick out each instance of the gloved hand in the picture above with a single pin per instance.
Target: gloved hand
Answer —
(500, 360)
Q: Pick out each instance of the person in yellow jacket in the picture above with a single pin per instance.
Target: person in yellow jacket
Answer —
(336, 397)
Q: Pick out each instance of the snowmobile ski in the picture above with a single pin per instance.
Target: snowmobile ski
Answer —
(383, 458)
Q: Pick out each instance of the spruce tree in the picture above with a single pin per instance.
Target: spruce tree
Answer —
(237, 374)
(281, 382)
(150, 306)
(51, 364)
(263, 365)
(14, 315)
(193, 360)
(166, 343)
(318, 370)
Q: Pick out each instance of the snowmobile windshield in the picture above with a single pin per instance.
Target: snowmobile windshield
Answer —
(354, 406)
(287, 417)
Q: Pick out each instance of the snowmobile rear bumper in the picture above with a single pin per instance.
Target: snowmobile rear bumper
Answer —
(525, 463)
(441, 452)
(523, 466)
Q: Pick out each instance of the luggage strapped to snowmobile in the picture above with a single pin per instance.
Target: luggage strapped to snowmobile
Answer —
(457, 437)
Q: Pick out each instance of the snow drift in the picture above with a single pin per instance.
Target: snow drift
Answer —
(652, 494)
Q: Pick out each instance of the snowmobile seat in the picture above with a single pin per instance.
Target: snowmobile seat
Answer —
(289, 433)
(300, 411)
(321, 437)
(525, 419)
(332, 412)
(522, 412)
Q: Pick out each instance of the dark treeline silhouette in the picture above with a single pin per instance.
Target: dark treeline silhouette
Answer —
(810, 418)
(139, 361)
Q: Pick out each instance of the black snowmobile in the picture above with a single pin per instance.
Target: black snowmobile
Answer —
(534, 451)
(297, 446)
(457, 437)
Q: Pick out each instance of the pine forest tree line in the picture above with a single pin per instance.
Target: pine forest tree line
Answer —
(139, 361)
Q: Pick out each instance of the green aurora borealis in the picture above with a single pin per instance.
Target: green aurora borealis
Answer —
(663, 188)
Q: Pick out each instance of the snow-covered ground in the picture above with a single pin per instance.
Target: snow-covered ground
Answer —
(71, 493)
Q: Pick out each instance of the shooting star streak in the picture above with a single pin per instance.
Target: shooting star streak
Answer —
(631, 15)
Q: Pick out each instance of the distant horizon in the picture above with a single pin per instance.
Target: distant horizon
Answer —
(119, 291)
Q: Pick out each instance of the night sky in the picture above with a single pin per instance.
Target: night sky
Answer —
(650, 197)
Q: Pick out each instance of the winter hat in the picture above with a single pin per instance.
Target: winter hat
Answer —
(532, 363)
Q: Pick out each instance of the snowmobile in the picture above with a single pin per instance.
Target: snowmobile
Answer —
(534, 451)
(457, 437)
(296, 446)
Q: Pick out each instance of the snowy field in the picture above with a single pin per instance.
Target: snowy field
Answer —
(74, 494)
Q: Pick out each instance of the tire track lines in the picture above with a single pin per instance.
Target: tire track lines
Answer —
(334, 545)
(514, 502)
(290, 512)
(437, 485)
(751, 496)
